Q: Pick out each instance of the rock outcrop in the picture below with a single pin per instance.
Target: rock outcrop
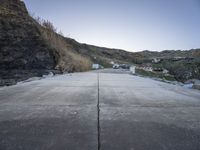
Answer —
(20, 42)
(22, 49)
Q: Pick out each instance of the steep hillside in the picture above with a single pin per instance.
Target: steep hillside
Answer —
(23, 52)
(28, 49)
(21, 46)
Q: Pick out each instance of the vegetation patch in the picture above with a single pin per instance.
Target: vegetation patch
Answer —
(154, 75)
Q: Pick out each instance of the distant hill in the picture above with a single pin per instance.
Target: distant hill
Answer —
(31, 47)
(171, 53)
(129, 57)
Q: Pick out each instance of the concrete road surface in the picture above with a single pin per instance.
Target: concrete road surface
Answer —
(105, 111)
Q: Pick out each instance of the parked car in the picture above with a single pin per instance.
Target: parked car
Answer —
(125, 66)
(116, 66)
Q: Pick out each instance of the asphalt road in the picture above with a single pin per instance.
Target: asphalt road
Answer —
(91, 111)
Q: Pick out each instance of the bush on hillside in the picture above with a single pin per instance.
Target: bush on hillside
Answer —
(67, 60)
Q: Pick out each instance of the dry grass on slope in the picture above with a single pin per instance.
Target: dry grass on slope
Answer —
(67, 60)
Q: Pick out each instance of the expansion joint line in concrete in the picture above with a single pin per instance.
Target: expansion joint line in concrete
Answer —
(98, 115)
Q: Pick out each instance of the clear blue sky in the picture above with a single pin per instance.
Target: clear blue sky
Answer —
(132, 25)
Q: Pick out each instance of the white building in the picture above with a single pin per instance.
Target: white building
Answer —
(165, 71)
(148, 69)
(96, 66)
(112, 62)
(156, 60)
(132, 69)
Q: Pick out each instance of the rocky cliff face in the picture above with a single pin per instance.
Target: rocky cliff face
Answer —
(21, 46)
(23, 53)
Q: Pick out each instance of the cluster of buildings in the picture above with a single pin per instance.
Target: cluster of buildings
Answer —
(149, 68)
(146, 67)
(158, 60)
(121, 66)
(116, 66)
